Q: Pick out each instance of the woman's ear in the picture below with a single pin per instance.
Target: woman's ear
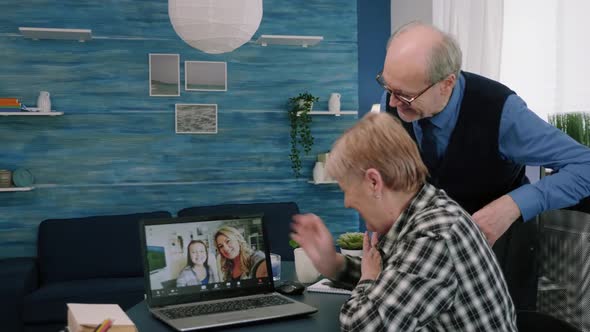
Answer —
(375, 181)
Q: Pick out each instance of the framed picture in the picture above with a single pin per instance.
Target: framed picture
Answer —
(205, 76)
(164, 75)
(196, 118)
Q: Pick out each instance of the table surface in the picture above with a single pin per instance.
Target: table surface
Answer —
(325, 319)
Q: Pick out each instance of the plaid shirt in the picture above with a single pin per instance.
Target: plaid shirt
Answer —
(439, 274)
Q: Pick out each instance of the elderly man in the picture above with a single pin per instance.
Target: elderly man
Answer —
(476, 136)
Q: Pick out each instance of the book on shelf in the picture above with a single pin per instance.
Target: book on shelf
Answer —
(327, 286)
(9, 102)
(84, 317)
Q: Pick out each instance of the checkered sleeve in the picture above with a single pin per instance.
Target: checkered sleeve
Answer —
(417, 284)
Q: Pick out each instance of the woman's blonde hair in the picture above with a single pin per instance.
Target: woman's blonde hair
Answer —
(378, 141)
(245, 251)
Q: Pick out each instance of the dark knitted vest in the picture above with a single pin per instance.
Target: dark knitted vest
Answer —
(471, 170)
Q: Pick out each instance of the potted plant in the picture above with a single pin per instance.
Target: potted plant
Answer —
(300, 121)
(304, 269)
(575, 124)
(351, 243)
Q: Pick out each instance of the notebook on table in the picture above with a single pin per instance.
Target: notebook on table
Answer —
(326, 286)
(191, 303)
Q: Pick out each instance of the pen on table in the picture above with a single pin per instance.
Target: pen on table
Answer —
(104, 326)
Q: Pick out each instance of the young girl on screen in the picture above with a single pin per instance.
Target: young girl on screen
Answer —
(197, 270)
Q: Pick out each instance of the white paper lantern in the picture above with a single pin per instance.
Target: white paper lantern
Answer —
(215, 26)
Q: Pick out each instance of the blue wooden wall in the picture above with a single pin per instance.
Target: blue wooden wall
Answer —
(115, 149)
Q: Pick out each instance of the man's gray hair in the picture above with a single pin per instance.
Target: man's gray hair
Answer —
(445, 57)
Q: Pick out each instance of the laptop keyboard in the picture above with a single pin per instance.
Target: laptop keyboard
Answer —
(225, 306)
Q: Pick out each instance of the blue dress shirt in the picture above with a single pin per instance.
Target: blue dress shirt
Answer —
(525, 139)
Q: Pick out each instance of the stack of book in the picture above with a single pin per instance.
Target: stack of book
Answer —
(10, 105)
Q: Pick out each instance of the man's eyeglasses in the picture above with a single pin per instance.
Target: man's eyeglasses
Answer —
(404, 99)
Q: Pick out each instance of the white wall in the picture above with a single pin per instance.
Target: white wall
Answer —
(405, 11)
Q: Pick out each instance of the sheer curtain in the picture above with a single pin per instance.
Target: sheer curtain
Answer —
(477, 25)
(545, 54)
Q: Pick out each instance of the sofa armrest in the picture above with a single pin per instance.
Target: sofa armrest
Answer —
(18, 277)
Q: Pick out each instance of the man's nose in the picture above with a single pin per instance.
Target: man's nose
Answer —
(393, 101)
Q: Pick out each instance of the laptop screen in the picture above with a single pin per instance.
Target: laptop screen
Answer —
(196, 259)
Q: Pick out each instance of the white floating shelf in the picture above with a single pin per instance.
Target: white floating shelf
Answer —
(33, 113)
(80, 35)
(322, 182)
(16, 189)
(333, 113)
(304, 41)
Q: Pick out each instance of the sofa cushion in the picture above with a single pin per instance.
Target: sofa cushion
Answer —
(48, 303)
(91, 247)
(277, 219)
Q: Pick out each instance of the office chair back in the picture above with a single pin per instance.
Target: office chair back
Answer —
(533, 321)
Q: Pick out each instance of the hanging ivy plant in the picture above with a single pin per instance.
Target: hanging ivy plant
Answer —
(300, 120)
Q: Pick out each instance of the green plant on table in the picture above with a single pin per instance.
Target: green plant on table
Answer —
(293, 244)
(300, 121)
(351, 241)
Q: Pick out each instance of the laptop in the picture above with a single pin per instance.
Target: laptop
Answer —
(192, 280)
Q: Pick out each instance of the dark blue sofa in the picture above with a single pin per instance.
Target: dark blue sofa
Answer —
(87, 260)
(98, 260)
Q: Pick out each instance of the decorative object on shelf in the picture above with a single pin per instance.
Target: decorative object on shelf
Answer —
(5, 178)
(22, 178)
(319, 172)
(164, 75)
(351, 243)
(196, 118)
(304, 41)
(205, 76)
(44, 102)
(80, 35)
(334, 103)
(300, 121)
(320, 176)
(575, 124)
(215, 26)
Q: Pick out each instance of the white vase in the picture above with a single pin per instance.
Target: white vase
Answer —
(354, 253)
(304, 269)
(319, 172)
(44, 102)
(334, 103)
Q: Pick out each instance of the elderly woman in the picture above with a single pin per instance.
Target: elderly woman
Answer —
(427, 266)
(236, 257)
(197, 270)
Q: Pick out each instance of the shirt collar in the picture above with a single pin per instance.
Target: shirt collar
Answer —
(402, 224)
(442, 119)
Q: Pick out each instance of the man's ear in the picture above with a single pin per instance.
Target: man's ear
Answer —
(449, 83)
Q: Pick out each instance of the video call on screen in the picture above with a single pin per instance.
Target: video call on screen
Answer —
(205, 256)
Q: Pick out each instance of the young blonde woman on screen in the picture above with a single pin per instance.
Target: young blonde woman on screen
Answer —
(236, 257)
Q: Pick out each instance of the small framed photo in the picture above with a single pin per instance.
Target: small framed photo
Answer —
(164, 75)
(196, 118)
(205, 76)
